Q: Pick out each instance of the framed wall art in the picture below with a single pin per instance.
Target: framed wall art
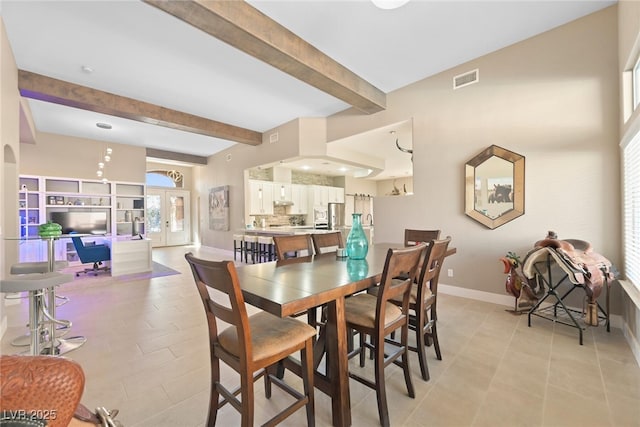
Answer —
(219, 208)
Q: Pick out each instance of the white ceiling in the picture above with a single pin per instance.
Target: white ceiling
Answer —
(138, 51)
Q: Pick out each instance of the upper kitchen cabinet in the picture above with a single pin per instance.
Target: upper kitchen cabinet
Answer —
(260, 197)
(282, 192)
(322, 195)
(335, 195)
(299, 197)
(319, 195)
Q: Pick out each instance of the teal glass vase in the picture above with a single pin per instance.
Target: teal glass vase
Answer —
(357, 269)
(357, 243)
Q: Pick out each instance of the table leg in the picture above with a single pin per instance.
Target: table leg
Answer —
(338, 363)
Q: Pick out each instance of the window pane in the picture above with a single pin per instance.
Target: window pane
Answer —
(636, 85)
(632, 211)
(154, 216)
(176, 220)
(159, 180)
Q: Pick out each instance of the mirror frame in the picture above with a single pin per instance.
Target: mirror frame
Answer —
(518, 186)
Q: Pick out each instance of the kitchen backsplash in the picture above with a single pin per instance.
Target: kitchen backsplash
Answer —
(280, 217)
(296, 177)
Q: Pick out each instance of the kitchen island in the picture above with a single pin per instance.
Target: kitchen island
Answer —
(283, 231)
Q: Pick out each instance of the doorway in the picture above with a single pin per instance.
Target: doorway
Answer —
(168, 216)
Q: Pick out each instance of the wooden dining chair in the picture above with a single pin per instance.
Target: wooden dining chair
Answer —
(327, 242)
(292, 246)
(411, 236)
(422, 303)
(252, 345)
(376, 316)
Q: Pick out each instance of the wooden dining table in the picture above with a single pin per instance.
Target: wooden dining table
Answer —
(284, 290)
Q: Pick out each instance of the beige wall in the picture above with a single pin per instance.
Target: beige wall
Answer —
(552, 98)
(70, 157)
(220, 171)
(9, 159)
(628, 52)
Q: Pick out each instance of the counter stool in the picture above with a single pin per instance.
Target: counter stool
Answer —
(238, 245)
(251, 247)
(36, 267)
(31, 268)
(266, 251)
(36, 284)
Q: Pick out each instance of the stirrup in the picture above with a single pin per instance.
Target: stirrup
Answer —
(107, 417)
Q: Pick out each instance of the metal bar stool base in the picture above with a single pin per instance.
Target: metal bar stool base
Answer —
(64, 345)
(25, 340)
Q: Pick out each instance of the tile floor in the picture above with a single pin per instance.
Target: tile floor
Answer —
(146, 355)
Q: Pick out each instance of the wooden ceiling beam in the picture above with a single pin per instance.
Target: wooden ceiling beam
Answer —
(43, 88)
(249, 30)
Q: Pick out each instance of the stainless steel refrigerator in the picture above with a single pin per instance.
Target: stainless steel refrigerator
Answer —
(335, 216)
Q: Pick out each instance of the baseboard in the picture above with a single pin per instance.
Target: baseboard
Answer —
(476, 295)
(633, 342)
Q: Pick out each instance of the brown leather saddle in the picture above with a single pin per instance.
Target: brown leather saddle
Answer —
(583, 265)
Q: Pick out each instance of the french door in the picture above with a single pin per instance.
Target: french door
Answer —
(168, 216)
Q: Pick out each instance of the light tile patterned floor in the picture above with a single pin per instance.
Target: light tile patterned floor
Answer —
(147, 355)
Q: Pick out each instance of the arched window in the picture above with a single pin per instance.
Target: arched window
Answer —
(163, 178)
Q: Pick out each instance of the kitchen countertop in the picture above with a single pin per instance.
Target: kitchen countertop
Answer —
(289, 226)
(294, 229)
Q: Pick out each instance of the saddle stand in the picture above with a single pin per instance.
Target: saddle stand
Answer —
(559, 312)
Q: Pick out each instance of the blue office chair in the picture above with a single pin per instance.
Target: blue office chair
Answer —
(92, 253)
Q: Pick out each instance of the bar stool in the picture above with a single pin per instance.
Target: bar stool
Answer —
(38, 267)
(238, 245)
(36, 284)
(250, 247)
(266, 250)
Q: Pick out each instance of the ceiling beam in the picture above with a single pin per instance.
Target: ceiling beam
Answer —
(249, 30)
(43, 88)
(172, 155)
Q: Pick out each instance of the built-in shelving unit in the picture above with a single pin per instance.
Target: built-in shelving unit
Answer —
(40, 197)
(29, 211)
(130, 209)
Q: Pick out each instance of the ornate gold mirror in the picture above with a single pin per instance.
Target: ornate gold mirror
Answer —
(494, 181)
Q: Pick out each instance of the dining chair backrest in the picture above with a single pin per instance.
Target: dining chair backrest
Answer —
(411, 236)
(327, 242)
(222, 276)
(291, 246)
(400, 271)
(430, 271)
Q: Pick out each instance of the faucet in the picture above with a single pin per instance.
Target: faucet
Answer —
(369, 219)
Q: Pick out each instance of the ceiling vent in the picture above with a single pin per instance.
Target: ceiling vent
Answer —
(466, 79)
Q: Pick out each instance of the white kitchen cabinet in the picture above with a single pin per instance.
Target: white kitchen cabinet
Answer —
(322, 195)
(300, 199)
(335, 195)
(261, 197)
(319, 195)
(282, 191)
